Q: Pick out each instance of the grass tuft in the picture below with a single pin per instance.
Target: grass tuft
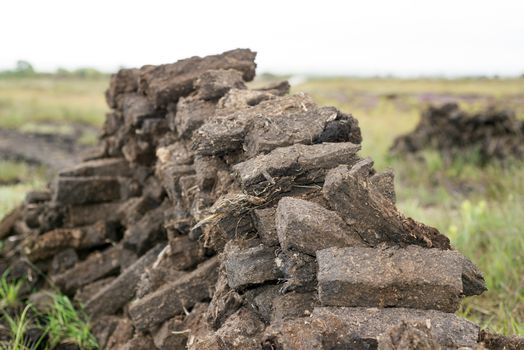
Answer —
(60, 323)
(66, 324)
(9, 292)
(18, 326)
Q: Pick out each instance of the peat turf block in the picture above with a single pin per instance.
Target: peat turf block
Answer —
(411, 277)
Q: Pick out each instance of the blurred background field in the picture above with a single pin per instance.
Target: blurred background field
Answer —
(480, 209)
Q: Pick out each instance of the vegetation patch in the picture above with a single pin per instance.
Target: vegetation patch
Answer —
(54, 324)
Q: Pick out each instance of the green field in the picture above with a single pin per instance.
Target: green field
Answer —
(481, 210)
(36, 100)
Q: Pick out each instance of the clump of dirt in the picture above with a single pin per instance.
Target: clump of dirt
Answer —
(53, 150)
(492, 134)
(219, 217)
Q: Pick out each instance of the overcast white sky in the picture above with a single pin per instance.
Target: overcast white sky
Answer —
(403, 37)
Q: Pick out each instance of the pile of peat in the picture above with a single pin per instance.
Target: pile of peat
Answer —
(220, 217)
(493, 133)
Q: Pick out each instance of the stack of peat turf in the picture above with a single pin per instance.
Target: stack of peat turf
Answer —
(220, 217)
(491, 134)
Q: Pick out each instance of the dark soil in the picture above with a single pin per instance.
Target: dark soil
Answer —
(55, 151)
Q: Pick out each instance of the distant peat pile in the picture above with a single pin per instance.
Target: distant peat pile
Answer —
(492, 134)
(219, 217)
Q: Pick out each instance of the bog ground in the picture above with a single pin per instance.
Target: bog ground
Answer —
(480, 209)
